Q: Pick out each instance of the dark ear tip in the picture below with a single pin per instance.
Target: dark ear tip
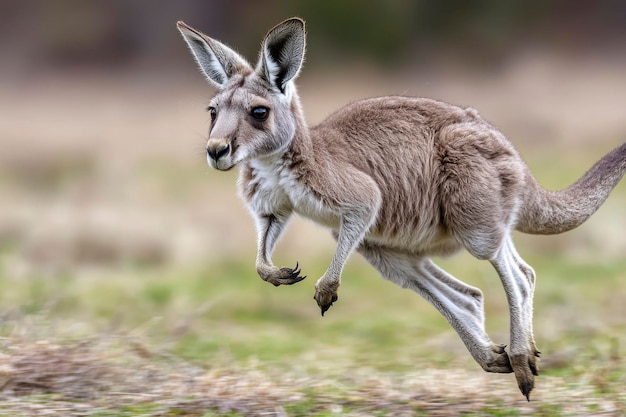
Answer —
(300, 22)
(294, 21)
(184, 27)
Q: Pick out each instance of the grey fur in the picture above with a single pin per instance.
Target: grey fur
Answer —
(398, 179)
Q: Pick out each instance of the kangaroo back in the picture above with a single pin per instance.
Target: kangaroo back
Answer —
(551, 212)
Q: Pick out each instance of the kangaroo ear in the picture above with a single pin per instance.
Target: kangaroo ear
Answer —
(282, 53)
(217, 61)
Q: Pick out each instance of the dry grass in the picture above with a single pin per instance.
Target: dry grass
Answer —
(121, 376)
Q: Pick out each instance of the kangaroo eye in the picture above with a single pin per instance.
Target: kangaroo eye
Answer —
(213, 113)
(260, 113)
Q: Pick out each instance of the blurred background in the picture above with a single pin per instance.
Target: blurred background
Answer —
(98, 97)
(109, 215)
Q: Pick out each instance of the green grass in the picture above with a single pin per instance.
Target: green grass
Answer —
(223, 313)
(223, 317)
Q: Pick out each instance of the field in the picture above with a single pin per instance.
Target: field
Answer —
(127, 282)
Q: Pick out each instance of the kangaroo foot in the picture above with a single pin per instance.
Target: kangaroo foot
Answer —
(526, 368)
(499, 361)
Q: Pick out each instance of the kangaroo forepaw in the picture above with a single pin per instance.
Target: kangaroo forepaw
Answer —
(292, 275)
(325, 297)
(283, 276)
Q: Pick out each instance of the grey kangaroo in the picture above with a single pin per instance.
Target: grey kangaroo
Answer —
(398, 179)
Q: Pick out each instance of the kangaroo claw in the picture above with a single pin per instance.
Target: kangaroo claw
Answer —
(283, 276)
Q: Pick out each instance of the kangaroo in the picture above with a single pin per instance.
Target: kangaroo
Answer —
(398, 179)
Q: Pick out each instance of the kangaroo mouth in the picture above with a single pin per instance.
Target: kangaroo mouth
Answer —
(224, 169)
(223, 166)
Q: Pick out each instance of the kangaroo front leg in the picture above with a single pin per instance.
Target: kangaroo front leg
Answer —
(354, 225)
(518, 280)
(269, 229)
(356, 199)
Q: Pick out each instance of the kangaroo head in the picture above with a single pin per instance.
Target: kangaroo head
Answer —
(251, 114)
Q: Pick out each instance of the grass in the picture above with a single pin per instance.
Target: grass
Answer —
(383, 351)
(127, 327)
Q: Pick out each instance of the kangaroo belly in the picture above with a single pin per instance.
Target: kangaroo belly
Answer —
(422, 241)
(310, 207)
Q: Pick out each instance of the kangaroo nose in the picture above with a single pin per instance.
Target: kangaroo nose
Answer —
(217, 151)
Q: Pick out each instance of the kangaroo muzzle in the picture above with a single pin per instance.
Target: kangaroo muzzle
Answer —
(217, 150)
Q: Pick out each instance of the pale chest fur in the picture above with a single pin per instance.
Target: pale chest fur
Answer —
(271, 187)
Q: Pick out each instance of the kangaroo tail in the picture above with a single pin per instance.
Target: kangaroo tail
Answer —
(551, 212)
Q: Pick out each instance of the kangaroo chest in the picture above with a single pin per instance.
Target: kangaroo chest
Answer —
(271, 187)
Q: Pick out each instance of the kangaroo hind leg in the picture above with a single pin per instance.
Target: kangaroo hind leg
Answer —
(461, 304)
(493, 242)
(480, 207)
(518, 280)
